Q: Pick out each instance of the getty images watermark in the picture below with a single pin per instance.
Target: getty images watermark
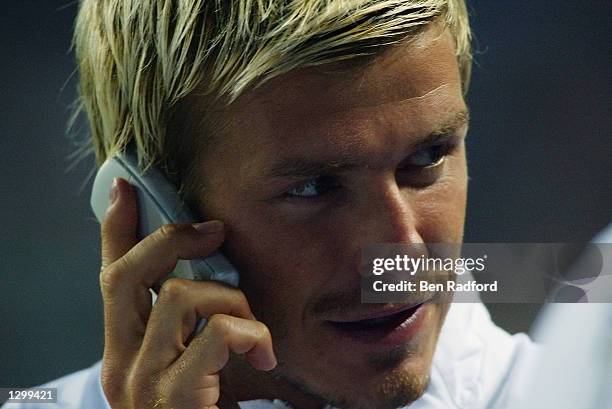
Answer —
(491, 272)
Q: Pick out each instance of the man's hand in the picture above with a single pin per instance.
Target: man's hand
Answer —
(149, 360)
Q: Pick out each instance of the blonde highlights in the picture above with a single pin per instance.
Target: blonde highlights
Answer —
(138, 59)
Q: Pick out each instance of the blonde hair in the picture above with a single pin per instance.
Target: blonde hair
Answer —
(138, 59)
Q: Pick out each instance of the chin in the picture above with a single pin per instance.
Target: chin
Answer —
(385, 380)
(398, 379)
(395, 390)
(355, 367)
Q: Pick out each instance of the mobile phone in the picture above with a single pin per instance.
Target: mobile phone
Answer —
(158, 204)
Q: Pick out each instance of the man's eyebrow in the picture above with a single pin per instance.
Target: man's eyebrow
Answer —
(454, 123)
(303, 167)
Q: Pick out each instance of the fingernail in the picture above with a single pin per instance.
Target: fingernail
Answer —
(114, 192)
(272, 361)
(213, 226)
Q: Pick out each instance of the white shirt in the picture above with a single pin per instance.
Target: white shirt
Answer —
(476, 365)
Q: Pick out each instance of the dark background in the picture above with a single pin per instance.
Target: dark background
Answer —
(539, 152)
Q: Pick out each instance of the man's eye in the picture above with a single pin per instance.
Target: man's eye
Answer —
(314, 187)
(424, 167)
(428, 157)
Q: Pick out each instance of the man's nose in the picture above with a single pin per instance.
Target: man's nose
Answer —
(385, 214)
(388, 215)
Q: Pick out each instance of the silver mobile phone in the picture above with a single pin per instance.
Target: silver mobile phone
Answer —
(158, 204)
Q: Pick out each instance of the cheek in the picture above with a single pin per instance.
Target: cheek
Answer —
(280, 265)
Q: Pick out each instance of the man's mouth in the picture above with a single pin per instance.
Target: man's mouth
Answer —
(391, 327)
(390, 319)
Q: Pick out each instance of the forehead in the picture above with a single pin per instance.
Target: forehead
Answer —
(403, 71)
(409, 89)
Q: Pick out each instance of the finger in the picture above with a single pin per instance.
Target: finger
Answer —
(209, 351)
(125, 283)
(119, 235)
(174, 316)
(157, 254)
(120, 224)
(197, 369)
(209, 393)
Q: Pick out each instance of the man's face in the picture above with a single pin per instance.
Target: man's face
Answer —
(308, 170)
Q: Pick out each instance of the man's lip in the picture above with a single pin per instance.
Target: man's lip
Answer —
(373, 313)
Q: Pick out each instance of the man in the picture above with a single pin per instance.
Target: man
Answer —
(302, 131)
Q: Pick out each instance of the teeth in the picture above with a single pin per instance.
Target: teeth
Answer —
(385, 320)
